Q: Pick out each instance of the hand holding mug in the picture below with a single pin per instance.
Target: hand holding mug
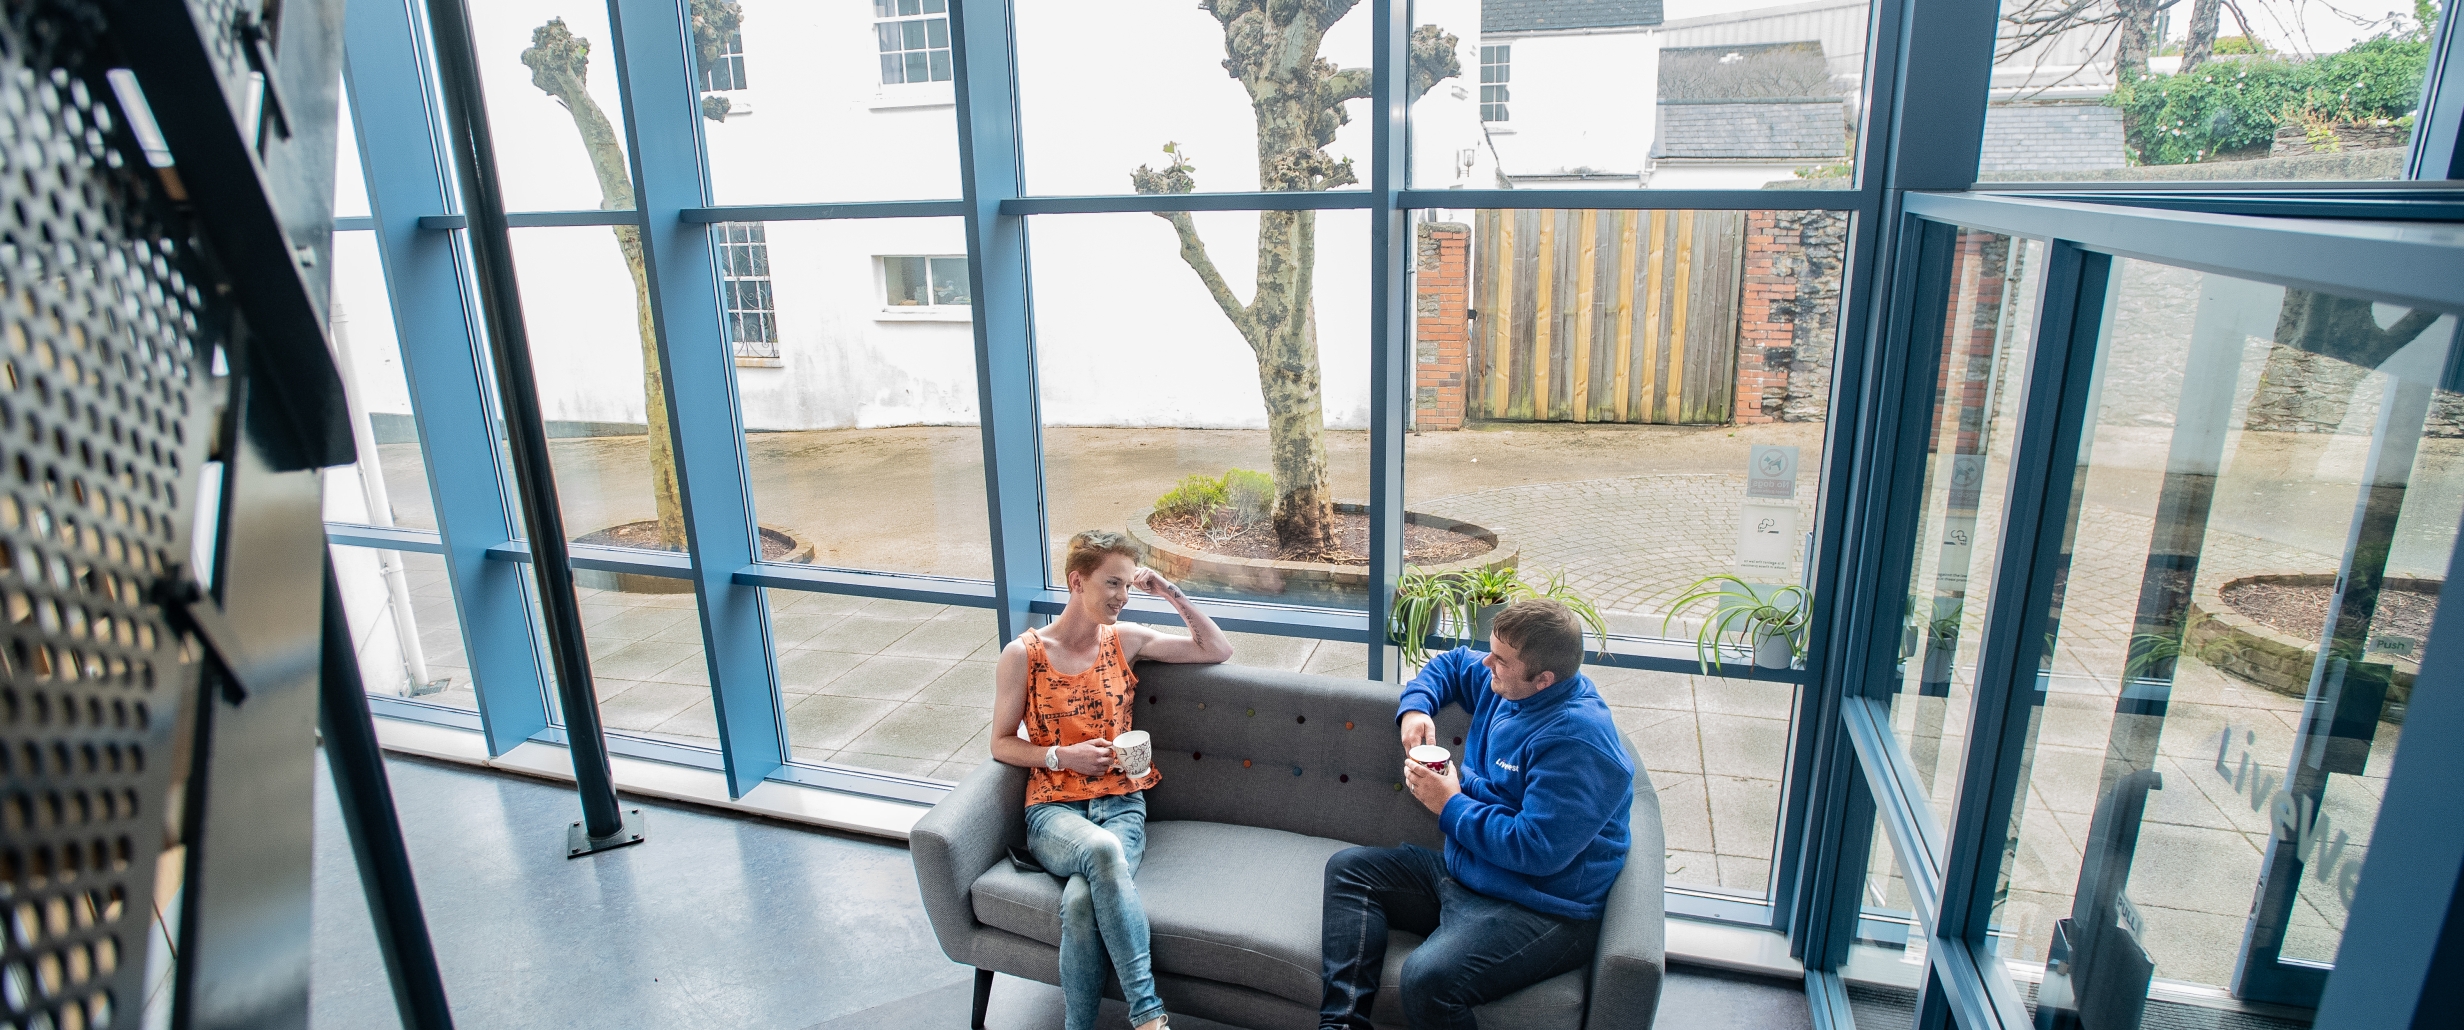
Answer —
(1088, 758)
(1431, 787)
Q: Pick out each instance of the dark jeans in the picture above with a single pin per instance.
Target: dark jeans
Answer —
(1479, 949)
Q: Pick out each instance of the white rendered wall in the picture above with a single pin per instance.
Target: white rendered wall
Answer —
(1125, 333)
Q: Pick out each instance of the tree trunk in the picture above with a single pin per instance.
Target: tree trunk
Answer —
(1286, 342)
(559, 64)
(2135, 37)
(2201, 43)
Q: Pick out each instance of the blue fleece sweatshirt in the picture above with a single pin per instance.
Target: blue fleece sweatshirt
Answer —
(1543, 817)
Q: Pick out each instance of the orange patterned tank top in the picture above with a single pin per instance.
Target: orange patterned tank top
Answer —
(1064, 710)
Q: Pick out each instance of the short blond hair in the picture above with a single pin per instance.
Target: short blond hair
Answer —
(1088, 550)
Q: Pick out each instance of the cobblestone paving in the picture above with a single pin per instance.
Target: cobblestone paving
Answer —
(1629, 545)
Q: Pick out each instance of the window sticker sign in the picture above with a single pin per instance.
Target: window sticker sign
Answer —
(1771, 473)
(1766, 537)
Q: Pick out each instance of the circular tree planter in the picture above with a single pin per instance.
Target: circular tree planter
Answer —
(777, 545)
(2265, 656)
(1317, 583)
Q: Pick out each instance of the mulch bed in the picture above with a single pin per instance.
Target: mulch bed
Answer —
(1422, 545)
(2301, 611)
(644, 536)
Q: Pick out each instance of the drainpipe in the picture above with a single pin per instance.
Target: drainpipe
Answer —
(381, 513)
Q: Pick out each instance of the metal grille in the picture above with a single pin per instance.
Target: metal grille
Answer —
(102, 344)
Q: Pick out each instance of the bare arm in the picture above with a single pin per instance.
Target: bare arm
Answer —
(1205, 644)
(1009, 709)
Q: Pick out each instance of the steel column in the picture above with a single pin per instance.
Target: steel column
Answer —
(474, 151)
(442, 359)
(982, 44)
(662, 113)
(1391, 249)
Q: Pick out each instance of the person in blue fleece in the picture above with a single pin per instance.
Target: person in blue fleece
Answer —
(1535, 817)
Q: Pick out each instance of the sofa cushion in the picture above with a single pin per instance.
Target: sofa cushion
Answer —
(1236, 904)
(1244, 905)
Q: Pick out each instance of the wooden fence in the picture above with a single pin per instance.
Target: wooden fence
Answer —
(1606, 316)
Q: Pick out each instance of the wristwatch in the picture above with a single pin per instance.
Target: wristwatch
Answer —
(1052, 758)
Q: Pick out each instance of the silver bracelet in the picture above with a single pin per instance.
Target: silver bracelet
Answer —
(1052, 758)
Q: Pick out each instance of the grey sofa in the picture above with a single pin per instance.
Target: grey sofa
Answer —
(1266, 775)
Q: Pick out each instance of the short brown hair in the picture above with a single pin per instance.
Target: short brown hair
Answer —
(1088, 550)
(1545, 633)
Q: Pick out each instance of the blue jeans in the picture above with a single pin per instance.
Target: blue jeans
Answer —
(1479, 948)
(1097, 844)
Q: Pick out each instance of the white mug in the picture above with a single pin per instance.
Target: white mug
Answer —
(1133, 753)
(1431, 755)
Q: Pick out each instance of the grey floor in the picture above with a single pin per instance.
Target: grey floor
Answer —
(716, 921)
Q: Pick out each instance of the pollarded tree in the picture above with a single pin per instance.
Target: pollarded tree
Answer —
(559, 64)
(1271, 46)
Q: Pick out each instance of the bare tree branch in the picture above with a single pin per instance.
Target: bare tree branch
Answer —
(1193, 253)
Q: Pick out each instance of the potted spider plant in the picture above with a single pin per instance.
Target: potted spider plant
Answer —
(1942, 639)
(1461, 605)
(1770, 619)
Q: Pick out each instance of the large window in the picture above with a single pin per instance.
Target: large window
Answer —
(2267, 504)
(915, 40)
(924, 285)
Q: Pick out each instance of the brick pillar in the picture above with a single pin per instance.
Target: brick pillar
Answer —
(1441, 335)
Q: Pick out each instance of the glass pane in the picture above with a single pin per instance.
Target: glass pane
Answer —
(892, 686)
(1985, 344)
(861, 433)
(646, 657)
(1089, 123)
(1298, 654)
(554, 151)
(1717, 752)
(1886, 964)
(1690, 94)
(401, 610)
(1155, 422)
(1598, 392)
(370, 360)
(2259, 459)
(2103, 92)
(821, 98)
(590, 343)
(950, 280)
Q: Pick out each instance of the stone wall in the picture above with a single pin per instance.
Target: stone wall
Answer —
(1789, 319)
(1441, 313)
(2294, 139)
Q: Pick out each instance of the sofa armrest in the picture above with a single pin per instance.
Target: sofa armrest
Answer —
(961, 838)
(1633, 955)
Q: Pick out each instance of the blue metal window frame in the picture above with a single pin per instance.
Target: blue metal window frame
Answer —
(1918, 147)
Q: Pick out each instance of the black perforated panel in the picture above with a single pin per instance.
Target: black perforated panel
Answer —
(102, 392)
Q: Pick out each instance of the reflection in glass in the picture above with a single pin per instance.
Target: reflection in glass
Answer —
(401, 611)
(862, 444)
(2267, 504)
(2120, 92)
(1886, 966)
(1215, 408)
(891, 686)
(1975, 400)
(1619, 95)
(806, 102)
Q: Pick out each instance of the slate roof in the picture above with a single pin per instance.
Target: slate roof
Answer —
(2051, 138)
(1812, 130)
(1549, 15)
(1742, 71)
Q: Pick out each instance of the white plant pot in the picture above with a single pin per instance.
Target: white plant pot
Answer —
(1774, 650)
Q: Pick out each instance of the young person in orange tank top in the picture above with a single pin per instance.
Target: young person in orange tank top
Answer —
(1062, 695)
